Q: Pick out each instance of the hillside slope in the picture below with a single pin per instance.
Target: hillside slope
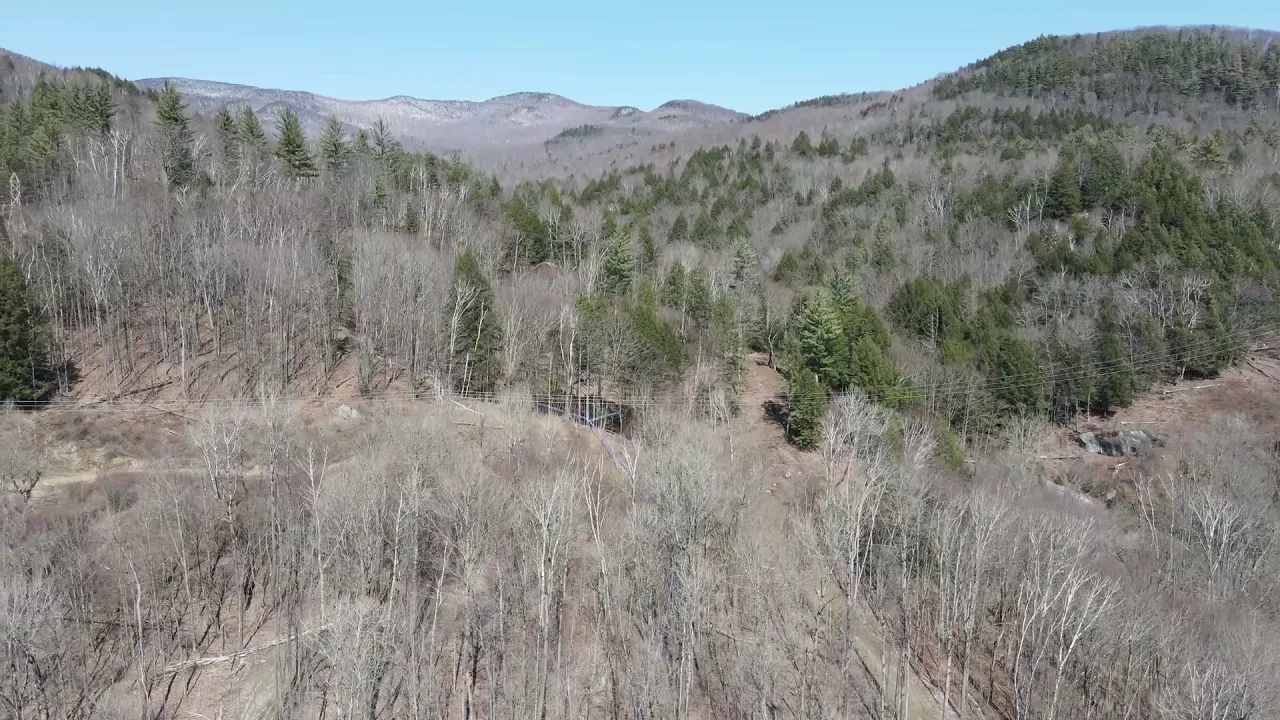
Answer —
(847, 348)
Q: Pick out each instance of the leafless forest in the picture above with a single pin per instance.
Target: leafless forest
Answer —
(286, 449)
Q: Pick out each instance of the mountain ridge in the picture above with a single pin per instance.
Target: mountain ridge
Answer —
(526, 117)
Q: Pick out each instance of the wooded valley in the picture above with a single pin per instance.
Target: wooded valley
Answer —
(285, 431)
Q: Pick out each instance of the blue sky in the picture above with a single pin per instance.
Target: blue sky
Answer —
(750, 57)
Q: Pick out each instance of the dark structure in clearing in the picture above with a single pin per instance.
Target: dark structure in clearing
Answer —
(590, 410)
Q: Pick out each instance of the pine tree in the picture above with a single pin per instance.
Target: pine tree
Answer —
(1064, 198)
(228, 138)
(385, 148)
(802, 145)
(175, 133)
(335, 151)
(679, 229)
(412, 218)
(699, 296)
(478, 345)
(872, 371)
(841, 286)
(252, 137)
(1212, 152)
(675, 286)
(828, 146)
(90, 109)
(648, 250)
(292, 147)
(807, 401)
(817, 340)
(104, 109)
(360, 145)
(609, 225)
(705, 229)
(82, 114)
(618, 264)
(1115, 382)
(24, 357)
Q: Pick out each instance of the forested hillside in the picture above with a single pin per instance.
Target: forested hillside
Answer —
(937, 277)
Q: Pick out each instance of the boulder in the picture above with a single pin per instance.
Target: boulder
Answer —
(1117, 443)
(1089, 442)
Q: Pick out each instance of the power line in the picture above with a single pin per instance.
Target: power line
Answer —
(1204, 348)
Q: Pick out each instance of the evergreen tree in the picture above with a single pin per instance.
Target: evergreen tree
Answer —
(24, 357)
(738, 228)
(1115, 376)
(1064, 197)
(360, 145)
(679, 229)
(386, 150)
(648, 250)
(104, 110)
(618, 264)
(90, 108)
(292, 147)
(335, 151)
(828, 146)
(841, 286)
(705, 229)
(252, 137)
(807, 401)
(675, 286)
(699, 298)
(663, 355)
(609, 225)
(253, 141)
(817, 340)
(1212, 151)
(382, 197)
(872, 371)
(228, 137)
(78, 110)
(176, 138)
(1016, 378)
(412, 218)
(478, 346)
(802, 145)
(1105, 184)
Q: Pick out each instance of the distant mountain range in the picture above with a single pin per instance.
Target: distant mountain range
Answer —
(517, 119)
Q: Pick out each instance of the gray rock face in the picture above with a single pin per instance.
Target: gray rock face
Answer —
(1089, 442)
(1117, 443)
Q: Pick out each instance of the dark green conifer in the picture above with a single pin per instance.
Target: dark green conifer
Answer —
(618, 263)
(292, 147)
(176, 138)
(335, 150)
(24, 355)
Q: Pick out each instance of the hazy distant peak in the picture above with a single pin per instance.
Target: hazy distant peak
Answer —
(533, 97)
(512, 119)
(699, 109)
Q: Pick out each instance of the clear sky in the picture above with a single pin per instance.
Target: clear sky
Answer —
(746, 56)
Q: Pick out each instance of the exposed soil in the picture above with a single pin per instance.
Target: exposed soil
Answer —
(1170, 413)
